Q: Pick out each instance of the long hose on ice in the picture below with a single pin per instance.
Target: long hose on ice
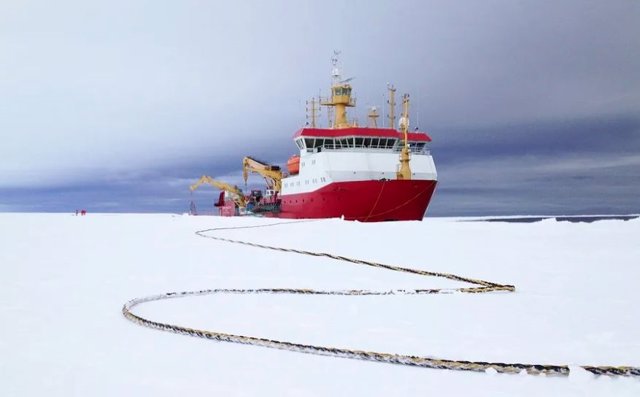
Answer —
(477, 286)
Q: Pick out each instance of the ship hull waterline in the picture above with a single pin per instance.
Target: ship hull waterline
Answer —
(364, 201)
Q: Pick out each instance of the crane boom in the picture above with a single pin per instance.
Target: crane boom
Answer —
(236, 194)
(271, 173)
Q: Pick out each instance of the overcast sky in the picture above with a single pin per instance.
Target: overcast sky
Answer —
(533, 106)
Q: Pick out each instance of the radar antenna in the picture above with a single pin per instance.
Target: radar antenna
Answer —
(340, 98)
(335, 71)
(373, 116)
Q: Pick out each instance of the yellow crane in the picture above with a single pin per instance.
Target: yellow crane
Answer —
(271, 173)
(236, 194)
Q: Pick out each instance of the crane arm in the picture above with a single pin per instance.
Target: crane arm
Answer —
(271, 173)
(236, 194)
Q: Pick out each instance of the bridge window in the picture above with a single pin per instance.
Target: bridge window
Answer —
(416, 146)
(339, 91)
(308, 142)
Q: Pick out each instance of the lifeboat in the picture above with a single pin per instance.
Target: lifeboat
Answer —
(293, 165)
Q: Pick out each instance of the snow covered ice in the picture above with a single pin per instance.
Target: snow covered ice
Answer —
(65, 279)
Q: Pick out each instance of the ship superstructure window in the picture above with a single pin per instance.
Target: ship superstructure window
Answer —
(308, 142)
(341, 91)
(360, 142)
(416, 146)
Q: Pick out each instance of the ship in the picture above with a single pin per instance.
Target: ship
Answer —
(363, 173)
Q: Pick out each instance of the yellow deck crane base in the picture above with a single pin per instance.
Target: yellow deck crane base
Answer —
(236, 194)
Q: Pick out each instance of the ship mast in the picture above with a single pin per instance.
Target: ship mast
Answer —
(312, 112)
(392, 105)
(340, 95)
(405, 170)
(330, 117)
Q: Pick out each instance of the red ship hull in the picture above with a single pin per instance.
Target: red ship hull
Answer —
(365, 201)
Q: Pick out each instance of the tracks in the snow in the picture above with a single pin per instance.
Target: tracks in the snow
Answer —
(477, 286)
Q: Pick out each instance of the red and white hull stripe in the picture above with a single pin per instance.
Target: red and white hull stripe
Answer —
(365, 201)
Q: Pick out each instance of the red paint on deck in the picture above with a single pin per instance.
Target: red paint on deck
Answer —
(361, 132)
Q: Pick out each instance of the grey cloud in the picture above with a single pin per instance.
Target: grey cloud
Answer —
(124, 94)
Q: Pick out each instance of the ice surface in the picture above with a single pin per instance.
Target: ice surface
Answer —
(65, 278)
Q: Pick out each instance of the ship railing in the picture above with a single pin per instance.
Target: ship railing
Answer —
(413, 149)
(396, 149)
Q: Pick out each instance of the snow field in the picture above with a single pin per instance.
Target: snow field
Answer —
(65, 279)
